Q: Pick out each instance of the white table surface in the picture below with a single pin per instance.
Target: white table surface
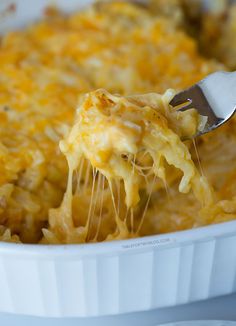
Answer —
(223, 308)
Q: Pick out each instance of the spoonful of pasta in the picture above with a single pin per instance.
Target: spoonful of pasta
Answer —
(213, 97)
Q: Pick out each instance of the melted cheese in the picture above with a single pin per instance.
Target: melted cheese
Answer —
(112, 133)
(126, 49)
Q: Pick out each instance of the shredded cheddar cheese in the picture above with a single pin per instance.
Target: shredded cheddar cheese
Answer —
(123, 168)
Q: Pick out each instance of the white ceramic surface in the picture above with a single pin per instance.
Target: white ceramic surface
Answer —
(112, 278)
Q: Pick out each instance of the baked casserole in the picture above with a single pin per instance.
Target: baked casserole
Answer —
(83, 156)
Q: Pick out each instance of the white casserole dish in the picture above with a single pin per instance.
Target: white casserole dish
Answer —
(116, 277)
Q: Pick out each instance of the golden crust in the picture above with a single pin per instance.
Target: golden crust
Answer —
(125, 49)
